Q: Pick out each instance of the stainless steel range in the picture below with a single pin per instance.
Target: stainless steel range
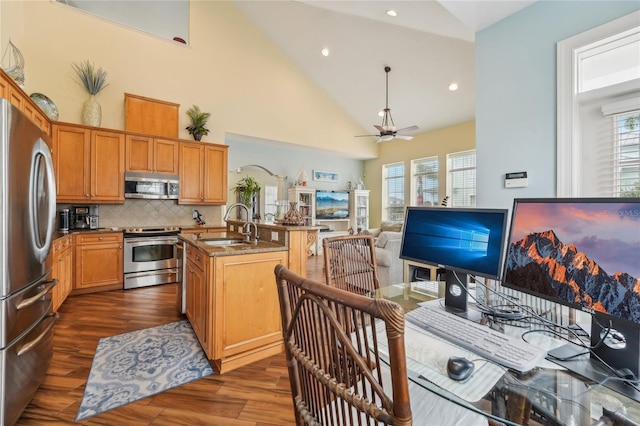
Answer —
(150, 256)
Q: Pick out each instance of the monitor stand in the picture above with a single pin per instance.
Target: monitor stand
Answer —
(455, 296)
(619, 350)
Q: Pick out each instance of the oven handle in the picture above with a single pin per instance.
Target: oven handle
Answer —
(152, 273)
(151, 240)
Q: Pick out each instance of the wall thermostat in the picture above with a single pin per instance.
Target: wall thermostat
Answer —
(516, 180)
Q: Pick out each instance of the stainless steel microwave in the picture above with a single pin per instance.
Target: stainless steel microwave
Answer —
(151, 186)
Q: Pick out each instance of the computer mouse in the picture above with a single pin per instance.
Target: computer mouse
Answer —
(459, 368)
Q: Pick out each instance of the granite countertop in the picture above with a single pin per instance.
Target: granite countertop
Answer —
(216, 251)
(280, 226)
(59, 234)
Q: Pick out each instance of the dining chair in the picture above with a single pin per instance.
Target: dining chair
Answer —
(350, 263)
(334, 340)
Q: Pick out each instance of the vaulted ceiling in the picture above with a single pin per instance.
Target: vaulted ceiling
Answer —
(428, 45)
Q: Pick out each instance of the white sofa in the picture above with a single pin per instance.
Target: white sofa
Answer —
(388, 240)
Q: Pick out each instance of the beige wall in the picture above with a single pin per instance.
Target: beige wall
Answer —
(230, 69)
(460, 137)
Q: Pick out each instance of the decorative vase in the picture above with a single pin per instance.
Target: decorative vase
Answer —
(197, 136)
(293, 216)
(91, 112)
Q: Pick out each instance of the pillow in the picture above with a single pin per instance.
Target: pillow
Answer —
(382, 240)
(391, 226)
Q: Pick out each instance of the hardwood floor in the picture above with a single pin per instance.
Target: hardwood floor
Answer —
(257, 394)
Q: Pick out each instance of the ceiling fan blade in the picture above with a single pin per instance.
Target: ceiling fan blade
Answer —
(407, 129)
(380, 129)
(366, 136)
(405, 137)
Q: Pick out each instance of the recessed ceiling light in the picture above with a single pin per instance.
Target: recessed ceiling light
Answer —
(453, 87)
(392, 12)
(325, 52)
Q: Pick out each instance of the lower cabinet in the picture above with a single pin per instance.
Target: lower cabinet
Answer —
(197, 304)
(232, 305)
(98, 262)
(62, 269)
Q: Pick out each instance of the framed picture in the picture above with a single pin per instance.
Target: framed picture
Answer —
(323, 176)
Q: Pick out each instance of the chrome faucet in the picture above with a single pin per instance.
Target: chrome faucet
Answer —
(247, 231)
(247, 224)
(231, 207)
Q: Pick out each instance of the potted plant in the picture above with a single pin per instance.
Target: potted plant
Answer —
(198, 121)
(93, 80)
(246, 188)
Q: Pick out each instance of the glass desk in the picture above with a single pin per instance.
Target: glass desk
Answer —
(548, 395)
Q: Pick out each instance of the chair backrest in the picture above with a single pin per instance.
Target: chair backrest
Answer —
(350, 263)
(333, 341)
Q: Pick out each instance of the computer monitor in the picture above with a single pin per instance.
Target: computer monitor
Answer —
(583, 253)
(463, 241)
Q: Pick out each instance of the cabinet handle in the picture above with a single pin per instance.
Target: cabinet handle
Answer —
(99, 238)
(93, 195)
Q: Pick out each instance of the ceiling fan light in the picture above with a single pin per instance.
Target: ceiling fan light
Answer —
(325, 51)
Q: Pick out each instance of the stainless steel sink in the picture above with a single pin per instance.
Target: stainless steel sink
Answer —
(224, 242)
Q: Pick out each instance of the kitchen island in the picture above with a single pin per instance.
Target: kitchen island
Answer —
(231, 297)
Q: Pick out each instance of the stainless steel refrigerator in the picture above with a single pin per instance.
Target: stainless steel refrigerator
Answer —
(27, 221)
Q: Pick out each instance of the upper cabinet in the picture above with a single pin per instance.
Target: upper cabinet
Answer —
(88, 164)
(203, 173)
(145, 154)
(11, 91)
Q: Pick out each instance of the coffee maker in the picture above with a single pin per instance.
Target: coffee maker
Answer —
(84, 217)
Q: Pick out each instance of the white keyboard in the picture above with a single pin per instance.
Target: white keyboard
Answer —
(511, 352)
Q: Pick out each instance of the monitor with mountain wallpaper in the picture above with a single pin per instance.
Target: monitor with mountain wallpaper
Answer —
(583, 253)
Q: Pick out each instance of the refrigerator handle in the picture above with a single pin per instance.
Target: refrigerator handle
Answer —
(41, 150)
(31, 344)
(31, 300)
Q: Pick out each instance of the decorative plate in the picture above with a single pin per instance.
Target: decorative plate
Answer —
(46, 105)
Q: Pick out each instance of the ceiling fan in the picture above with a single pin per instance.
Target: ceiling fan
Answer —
(388, 129)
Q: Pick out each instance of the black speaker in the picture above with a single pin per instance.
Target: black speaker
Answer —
(455, 294)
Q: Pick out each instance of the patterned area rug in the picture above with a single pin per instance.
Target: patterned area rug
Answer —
(135, 365)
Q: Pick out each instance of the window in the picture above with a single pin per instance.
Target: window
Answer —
(461, 178)
(598, 98)
(424, 185)
(626, 171)
(393, 191)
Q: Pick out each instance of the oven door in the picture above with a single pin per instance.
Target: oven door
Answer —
(143, 254)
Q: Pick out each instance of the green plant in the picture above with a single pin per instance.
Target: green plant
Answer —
(198, 121)
(246, 188)
(92, 79)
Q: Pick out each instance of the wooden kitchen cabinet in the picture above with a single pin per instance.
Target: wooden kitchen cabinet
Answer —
(203, 173)
(10, 90)
(98, 261)
(88, 164)
(62, 269)
(145, 154)
(197, 304)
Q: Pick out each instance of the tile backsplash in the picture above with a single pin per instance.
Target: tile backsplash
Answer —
(154, 213)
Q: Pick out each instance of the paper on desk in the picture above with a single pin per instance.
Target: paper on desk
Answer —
(427, 355)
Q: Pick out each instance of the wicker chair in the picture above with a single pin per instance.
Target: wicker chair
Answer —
(335, 371)
(350, 263)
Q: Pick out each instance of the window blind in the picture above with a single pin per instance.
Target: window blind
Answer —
(425, 181)
(462, 178)
(394, 191)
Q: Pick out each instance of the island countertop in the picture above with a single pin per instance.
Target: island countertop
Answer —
(279, 226)
(197, 240)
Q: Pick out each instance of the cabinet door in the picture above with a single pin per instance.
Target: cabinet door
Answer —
(139, 154)
(4, 86)
(215, 174)
(98, 263)
(191, 173)
(56, 293)
(165, 156)
(196, 306)
(107, 166)
(71, 153)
